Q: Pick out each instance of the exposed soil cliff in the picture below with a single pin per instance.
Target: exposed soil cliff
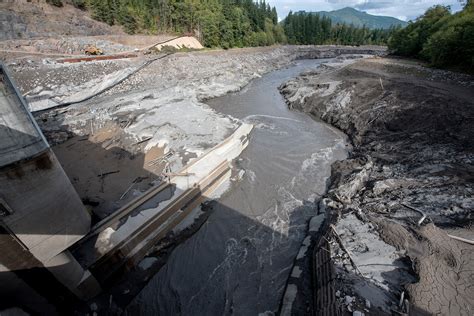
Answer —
(20, 19)
(407, 184)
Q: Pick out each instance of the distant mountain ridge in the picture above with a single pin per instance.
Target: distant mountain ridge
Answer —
(358, 18)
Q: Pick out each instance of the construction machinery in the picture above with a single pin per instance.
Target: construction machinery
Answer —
(93, 50)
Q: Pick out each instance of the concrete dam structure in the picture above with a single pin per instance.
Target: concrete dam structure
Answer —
(41, 213)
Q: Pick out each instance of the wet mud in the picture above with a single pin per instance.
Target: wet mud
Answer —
(406, 185)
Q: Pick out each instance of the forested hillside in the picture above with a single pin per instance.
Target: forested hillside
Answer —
(360, 19)
(225, 23)
(439, 37)
(311, 28)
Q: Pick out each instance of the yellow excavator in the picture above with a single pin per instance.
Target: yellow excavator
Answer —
(93, 50)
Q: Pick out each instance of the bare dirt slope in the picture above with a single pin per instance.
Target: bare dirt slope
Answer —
(20, 19)
(36, 27)
(407, 185)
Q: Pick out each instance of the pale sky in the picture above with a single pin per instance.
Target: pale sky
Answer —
(403, 10)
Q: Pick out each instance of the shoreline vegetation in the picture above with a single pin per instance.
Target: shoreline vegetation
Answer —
(227, 24)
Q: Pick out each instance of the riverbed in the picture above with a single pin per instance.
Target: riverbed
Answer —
(240, 259)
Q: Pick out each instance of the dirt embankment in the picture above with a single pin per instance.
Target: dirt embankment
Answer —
(406, 187)
(20, 19)
(36, 27)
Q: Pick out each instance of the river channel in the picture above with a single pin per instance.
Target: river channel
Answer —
(240, 259)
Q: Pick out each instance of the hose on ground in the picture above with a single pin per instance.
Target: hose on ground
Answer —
(145, 64)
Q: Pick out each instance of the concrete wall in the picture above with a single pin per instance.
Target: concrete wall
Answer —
(41, 215)
(47, 213)
(20, 138)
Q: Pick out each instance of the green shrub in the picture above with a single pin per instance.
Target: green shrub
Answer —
(57, 3)
(439, 37)
(168, 49)
(80, 4)
(410, 40)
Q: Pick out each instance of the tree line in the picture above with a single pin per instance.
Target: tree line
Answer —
(224, 23)
(310, 28)
(439, 37)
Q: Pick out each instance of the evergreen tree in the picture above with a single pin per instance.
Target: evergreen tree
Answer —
(309, 28)
(225, 23)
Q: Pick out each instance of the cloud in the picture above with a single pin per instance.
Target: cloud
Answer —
(371, 5)
(405, 9)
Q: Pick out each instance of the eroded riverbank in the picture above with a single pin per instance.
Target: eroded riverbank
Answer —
(406, 188)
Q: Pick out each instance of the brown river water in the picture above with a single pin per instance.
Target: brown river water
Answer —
(240, 259)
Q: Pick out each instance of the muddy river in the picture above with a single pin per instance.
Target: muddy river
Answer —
(240, 259)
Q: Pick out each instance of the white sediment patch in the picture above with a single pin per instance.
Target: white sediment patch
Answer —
(371, 254)
(338, 102)
(301, 94)
(181, 124)
(171, 118)
(46, 99)
(330, 88)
